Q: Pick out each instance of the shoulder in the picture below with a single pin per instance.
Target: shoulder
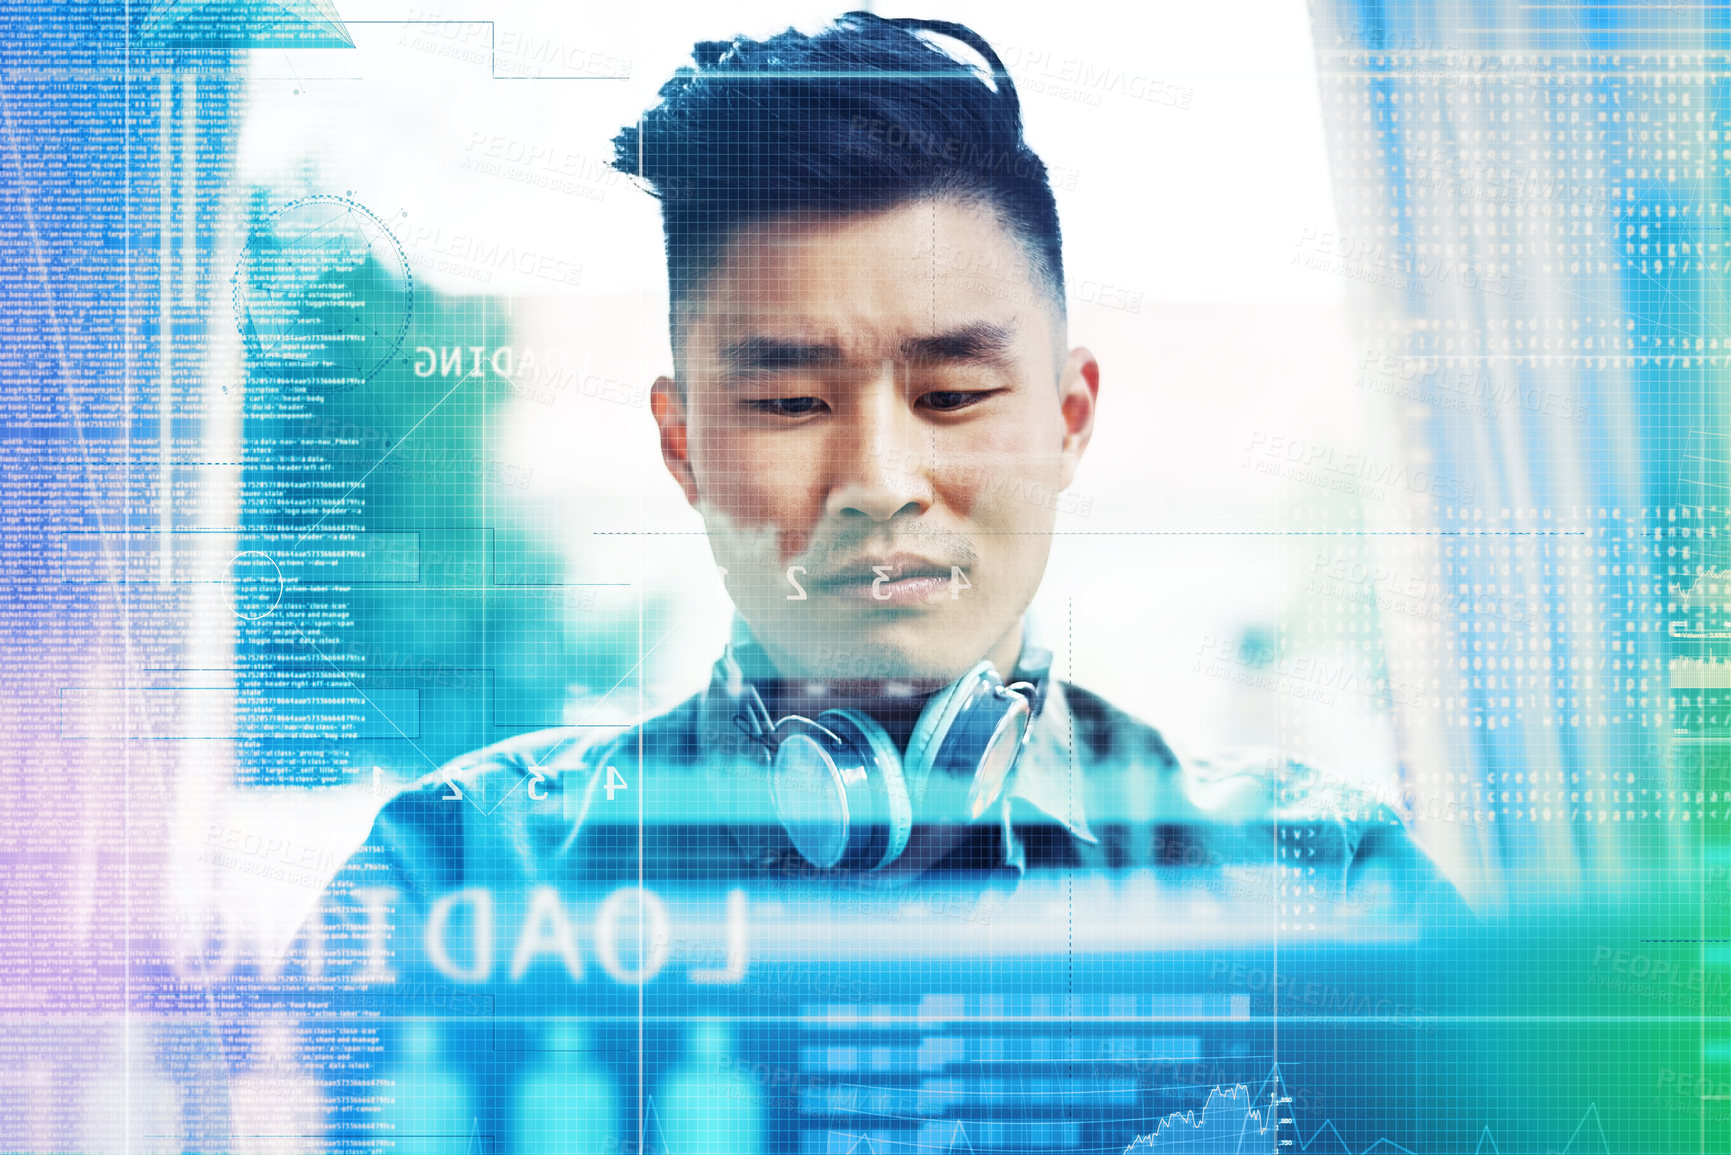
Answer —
(1247, 785)
(1108, 737)
(506, 812)
(1156, 805)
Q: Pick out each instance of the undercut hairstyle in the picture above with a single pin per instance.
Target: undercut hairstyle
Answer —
(866, 115)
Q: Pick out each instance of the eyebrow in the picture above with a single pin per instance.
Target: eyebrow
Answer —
(773, 355)
(979, 342)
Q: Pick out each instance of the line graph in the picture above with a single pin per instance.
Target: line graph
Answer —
(1234, 1120)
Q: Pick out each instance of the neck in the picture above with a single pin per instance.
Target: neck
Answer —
(1008, 650)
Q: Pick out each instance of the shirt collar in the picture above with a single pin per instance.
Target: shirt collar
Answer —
(1048, 775)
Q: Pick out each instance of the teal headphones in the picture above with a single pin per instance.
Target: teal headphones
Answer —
(846, 796)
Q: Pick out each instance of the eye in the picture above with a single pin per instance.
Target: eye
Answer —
(786, 406)
(950, 400)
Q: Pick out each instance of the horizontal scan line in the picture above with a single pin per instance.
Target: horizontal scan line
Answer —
(1165, 533)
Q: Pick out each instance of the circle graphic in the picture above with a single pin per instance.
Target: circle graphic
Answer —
(323, 294)
(255, 584)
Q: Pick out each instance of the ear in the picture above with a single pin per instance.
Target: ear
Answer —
(667, 403)
(1078, 395)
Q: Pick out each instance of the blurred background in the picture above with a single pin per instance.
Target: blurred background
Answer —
(562, 577)
(329, 455)
(391, 328)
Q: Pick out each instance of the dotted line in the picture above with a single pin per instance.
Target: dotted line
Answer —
(1170, 533)
(1070, 777)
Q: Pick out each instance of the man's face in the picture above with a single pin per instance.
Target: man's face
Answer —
(881, 401)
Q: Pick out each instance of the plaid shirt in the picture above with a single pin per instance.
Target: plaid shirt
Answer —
(1094, 791)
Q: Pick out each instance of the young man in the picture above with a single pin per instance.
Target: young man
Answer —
(872, 373)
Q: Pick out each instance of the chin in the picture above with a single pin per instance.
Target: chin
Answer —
(910, 651)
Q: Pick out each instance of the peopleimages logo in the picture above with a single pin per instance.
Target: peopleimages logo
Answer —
(1471, 389)
(1409, 266)
(1299, 460)
(478, 258)
(1312, 678)
(543, 164)
(1086, 81)
(951, 151)
(1042, 495)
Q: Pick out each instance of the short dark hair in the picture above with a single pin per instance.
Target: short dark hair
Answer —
(863, 116)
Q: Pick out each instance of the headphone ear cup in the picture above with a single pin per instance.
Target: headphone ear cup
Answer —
(935, 723)
(886, 767)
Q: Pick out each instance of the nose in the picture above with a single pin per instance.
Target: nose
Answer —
(879, 461)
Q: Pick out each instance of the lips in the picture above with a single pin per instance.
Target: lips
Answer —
(895, 580)
(897, 567)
